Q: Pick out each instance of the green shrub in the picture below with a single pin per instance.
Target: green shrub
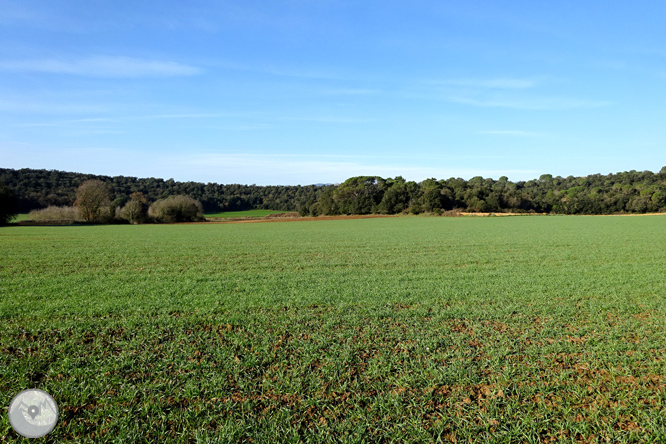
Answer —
(176, 209)
(133, 212)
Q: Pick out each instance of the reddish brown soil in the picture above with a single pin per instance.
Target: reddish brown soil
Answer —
(297, 219)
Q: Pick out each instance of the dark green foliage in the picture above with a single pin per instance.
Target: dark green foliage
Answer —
(8, 205)
(304, 208)
(360, 195)
(41, 188)
(628, 192)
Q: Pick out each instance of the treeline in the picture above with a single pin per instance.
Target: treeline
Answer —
(37, 189)
(629, 192)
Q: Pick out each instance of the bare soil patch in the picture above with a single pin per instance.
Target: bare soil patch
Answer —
(501, 214)
(296, 219)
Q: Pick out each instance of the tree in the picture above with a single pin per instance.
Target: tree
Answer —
(134, 211)
(395, 200)
(304, 208)
(327, 204)
(360, 195)
(8, 205)
(658, 200)
(93, 198)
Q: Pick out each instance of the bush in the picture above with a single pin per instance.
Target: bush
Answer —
(56, 214)
(176, 209)
(133, 212)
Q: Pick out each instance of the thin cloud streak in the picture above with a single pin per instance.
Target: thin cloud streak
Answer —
(103, 66)
(512, 133)
(18, 106)
(535, 103)
(297, 73)
(69, 122)
(304, 170)
(351, 92)
(262, 121)
(498, 83)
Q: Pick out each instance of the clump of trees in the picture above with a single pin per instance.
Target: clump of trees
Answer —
(93, 205)
(176, 209)
(629, 192)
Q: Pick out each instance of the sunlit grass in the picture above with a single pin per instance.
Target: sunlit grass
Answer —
(374, 330)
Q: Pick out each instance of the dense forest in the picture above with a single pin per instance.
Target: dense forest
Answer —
(42, 188)
(627, 192)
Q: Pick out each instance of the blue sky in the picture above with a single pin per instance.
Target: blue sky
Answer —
(301, 92)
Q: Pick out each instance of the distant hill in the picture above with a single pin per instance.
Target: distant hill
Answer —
(41, 188)
(627, 192)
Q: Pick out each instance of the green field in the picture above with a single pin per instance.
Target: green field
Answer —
(20, 217)
(248, 213)
(513, 329)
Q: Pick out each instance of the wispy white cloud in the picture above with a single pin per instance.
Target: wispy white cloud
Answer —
(511, 133)
(494, 83)
(103, 66)
(304, 169)
(298, 72)
(16, 105)
(504, 92)
(63, 122)
(302, 73)
(224, 121)
(259, 168)
(530, 103)
(179, 116)
(120, 119)
(351, 92)
(324, 119)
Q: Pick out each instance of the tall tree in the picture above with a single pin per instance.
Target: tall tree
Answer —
(93, 198)
(360, 195)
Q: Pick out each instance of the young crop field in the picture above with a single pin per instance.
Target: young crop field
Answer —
(248, 213)
(391, 330)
